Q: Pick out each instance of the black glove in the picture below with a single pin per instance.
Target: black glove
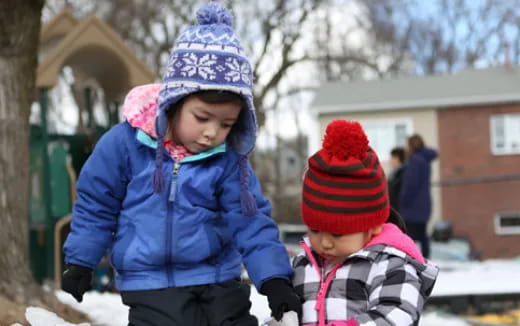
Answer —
(281, 297)
(76, 280)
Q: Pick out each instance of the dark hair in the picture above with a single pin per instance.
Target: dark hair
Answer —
(396, 218)
(415, 143)
(398, 152)
(209, 97)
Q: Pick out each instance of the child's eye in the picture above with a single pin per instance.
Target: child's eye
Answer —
(227, 125)
(314, 230)
(336, 235)
(200, 118)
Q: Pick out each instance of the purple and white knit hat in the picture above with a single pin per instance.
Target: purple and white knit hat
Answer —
(208, 56)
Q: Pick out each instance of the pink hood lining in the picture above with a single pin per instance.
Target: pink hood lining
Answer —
(140, 110)
(392, 236)
(140, 107)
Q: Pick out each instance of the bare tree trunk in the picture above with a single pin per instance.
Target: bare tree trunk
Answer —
(20, 27)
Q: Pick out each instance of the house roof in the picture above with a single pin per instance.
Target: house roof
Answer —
(59, 25)
(93, 50)
(469, 87)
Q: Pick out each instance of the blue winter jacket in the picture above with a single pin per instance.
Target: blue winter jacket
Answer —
(192, 233)
(415, 203)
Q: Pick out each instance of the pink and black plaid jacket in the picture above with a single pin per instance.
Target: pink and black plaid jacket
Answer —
(385, 283)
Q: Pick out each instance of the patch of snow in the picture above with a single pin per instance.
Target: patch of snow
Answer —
(486, 277)
(102, 308)
(289, 319)
(41, 317)
(440, 319)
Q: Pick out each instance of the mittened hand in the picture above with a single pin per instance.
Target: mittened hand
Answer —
(281, 297)
(76, 280)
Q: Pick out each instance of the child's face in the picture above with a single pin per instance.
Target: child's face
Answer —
(336, 247)
(394, 162)
(200, 126)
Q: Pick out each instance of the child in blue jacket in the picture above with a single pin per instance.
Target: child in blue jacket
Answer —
(171, 193)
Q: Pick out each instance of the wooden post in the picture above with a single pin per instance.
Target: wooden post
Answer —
(62, 223)
(57, 249)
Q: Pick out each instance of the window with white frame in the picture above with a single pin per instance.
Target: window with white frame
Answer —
(385, 134)
(505, 133)
(507, 223)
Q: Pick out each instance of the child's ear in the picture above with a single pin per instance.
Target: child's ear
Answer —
(377, 229)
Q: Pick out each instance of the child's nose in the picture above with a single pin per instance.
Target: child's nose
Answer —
(210, 132)
(326, 242)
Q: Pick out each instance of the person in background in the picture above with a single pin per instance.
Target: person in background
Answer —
(415, 203)
(358, 266)
(395, 179)
(171, 193)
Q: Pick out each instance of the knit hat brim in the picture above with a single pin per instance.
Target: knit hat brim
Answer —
(241, 139)
(333, 220)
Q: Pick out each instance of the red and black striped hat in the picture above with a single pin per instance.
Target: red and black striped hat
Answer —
(344, 189)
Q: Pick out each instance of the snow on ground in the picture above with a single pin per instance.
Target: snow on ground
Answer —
(107, 309)
(41, 317)
(102, 308)
(487, 277)
(493, 276)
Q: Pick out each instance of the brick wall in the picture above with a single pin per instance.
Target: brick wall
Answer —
(470, 197)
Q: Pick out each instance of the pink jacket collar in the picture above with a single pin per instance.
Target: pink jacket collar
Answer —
(394, 237)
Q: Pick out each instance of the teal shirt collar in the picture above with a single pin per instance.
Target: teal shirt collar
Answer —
(150, 142)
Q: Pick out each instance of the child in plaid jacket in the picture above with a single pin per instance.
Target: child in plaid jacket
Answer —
(358, 267)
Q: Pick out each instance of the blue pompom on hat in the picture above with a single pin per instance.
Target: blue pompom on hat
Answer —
(208, 56)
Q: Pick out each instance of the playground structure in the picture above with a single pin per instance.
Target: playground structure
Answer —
(98, 59)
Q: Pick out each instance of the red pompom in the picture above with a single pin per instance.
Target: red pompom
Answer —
(344, 139)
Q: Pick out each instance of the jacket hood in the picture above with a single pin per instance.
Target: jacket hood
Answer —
(209, 56)
(242, 137)
(142, 104)
(140, 107)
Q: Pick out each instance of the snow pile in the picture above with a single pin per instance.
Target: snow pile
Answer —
(41, 317)
(102, 308)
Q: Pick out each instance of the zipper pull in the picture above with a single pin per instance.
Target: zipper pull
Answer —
(173, 185)
(176, 167)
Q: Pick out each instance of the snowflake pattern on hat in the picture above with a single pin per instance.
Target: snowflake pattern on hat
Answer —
(209, 67)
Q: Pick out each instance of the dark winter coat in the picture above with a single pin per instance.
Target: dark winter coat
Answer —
(415, 203)
(395, 181)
